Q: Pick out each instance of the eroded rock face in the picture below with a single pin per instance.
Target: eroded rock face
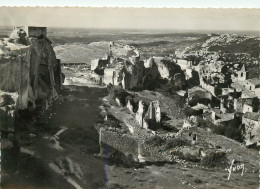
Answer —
(135, 76)
(124, 67)
(140, 113)
(161, 67)
(29, 68)
(131, 76)
(154, 111)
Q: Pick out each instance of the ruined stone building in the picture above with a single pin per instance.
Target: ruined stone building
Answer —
(123, 67)
(243, 105)
(251, 120)
(253, 85)
(242, 74)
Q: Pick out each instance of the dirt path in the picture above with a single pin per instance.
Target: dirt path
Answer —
(63, 152)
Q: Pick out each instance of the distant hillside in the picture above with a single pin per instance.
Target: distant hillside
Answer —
(3, 36)
(250, 46)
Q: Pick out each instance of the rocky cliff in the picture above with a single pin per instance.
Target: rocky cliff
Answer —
(29, 71)
(124, 67)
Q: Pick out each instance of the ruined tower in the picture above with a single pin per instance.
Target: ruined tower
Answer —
(242, 74)
(111, 43)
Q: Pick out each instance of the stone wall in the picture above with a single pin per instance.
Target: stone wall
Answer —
(207, 87)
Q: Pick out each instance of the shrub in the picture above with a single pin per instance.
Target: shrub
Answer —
(229, 131)
(169, 87)
(187, 157)
(188, 111)
(192, 158)
(153, 124)
(194, 80)
(215, 159)
(176, 142)
(205, 124)
(198, 181)
(197, 100)
(214, 102)
(233, 130)
(155, 141)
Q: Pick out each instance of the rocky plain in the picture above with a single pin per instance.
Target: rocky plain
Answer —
(127, 109)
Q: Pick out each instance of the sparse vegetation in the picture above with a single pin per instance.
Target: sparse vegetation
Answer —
(188, 111)
(232, 131)
(204, 123)
(154, 125)
(195, 100)
(176, 142)
(198, 181)
(215, 160)
(155, 141)
(250, 46)
(188, 157)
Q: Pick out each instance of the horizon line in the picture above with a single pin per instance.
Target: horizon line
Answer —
(137, 29)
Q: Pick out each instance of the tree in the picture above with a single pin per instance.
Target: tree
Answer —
(227, 75)
(180, 102)
(255, 102)
(233, 130)
(204, 123)
(194, 80)
(188, 111)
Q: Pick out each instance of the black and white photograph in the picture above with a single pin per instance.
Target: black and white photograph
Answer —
(129, 98)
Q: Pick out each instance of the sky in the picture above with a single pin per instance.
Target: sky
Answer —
(133, 18)
(138, 3)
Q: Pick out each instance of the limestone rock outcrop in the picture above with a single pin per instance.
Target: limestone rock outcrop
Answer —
(140, 114)
(144, 116)
(154, 111)
(123, 67)
(29, 68)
